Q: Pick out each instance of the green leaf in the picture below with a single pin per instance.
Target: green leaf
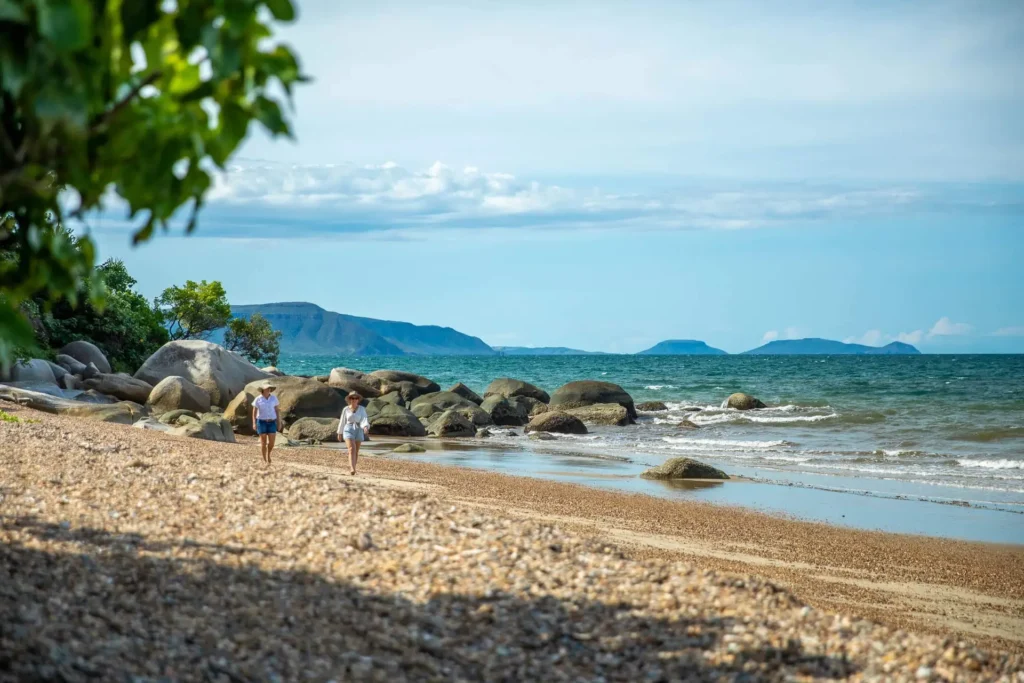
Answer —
(17, 330)
(269, 114)
(283, 10)
(66, 23)
(12, 13)
(137, 16)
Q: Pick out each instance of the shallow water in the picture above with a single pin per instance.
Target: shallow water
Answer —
(941, 428)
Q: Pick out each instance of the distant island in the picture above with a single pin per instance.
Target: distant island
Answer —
(309, 329)
(544, 351)
(815, 346)
(682, 347)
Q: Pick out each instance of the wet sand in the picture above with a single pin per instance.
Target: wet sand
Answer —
(944, 586)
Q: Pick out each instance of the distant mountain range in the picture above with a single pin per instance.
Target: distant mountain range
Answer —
(682, 347)
(829, 347)
(308, 329)
(544, 351)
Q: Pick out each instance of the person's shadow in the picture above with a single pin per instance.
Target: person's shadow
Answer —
(114, 611)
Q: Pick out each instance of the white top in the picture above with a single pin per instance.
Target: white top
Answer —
(357, 417)
(265, 407)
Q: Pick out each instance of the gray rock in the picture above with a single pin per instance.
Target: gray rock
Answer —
(741, 401)
(505, 412)
(651, 406)
(71, 382)
(542, 436)
(684, 468)
(210, 427)
(124, 388)
(451, 423)
(532, 406)
(466, 393)
(610, 414)
(75, 367)
(36, 370)
(483, 433)
(424, 385)
(686, 424)
(86, 352)
(153, 425)
(556, 421)
(177, 393)
(393, 397)
(59, 373)
(122, 413)
(345, 382)
(390, 419)
(409, 448)
(91, 371)
(222, 373)
(508, 387)
(177, 417)
(589, 392)
(272, 370)
(322, 429)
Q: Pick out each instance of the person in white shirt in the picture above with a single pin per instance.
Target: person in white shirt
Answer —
(353, 427)
(266, 420)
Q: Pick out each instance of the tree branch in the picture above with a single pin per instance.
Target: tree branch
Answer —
(113, 111)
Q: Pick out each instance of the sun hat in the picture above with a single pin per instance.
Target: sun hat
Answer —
(354, 394)
(267, 385)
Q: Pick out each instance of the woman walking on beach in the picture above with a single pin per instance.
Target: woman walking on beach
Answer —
(266, 420)
(353, 427)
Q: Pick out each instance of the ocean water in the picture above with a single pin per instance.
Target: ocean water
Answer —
(945, 428)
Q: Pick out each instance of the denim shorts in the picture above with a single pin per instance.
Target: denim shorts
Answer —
(353, 432)
(266, 426)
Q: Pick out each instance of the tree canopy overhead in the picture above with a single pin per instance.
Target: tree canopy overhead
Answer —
(132, 100)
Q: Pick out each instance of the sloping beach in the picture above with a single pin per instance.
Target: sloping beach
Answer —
(131, 552)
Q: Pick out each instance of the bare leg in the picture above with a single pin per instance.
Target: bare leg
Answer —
(263, 447)
(271, 438)
(353, 454)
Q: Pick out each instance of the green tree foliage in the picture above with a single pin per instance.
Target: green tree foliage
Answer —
(254, 338)
(128, 329)
(132, 99)
(195, 310)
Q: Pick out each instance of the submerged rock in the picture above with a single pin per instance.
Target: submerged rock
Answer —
(684, 468)
(741, 401)
(651, 406)
(409, 448)
(611, 414)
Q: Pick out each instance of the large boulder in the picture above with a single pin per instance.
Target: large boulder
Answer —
(177, 393)
(466, 393)
(392, 377)
(324, 429)
(390, 419)
(505, 412)
(451, 423)
(301, 397)
(557, 421)
(122, 413)
(741, 401)
(347, 383)
(429, 405)
(211, 427)
(59, 373)
(611, 414)
(72, 365)
(532, 406)
(124, 388)
(508, 387)
(220, 372)
(393, 397)
(589, 392)
(684, 468)
(86, 352)
(35, 371)
(239, 413)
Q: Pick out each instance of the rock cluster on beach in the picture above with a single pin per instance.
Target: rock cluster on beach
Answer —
(129, 555)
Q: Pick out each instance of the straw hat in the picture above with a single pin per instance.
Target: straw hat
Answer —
(267, 385)
(354, 394)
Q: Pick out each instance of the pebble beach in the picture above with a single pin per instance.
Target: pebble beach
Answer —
(134, 555)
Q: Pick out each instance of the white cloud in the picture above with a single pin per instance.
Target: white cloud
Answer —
(788, 333)
(769, 336)
(944, 327)
(869, 338)
(914, 337)
(1017, 331)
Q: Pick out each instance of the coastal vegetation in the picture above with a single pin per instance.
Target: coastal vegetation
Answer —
(99, 106)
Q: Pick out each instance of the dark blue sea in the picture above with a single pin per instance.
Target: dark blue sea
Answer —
(948, 428)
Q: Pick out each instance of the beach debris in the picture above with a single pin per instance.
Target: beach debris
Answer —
(684, 468)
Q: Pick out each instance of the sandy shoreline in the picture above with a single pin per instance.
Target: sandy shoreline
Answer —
(201, 512)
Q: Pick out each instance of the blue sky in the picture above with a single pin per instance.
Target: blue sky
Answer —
(608, 175)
